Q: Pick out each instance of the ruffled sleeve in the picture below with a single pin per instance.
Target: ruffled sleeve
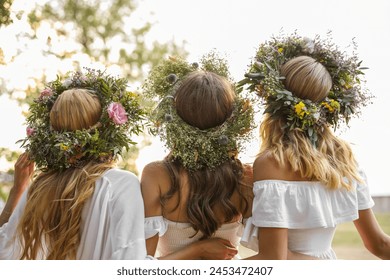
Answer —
(9, 242)
(365, 200)
(302, 205)
(113, 219)
(297, 205)
(154, 225)
(249, 238)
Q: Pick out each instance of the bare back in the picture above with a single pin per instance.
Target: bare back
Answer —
(156, 182)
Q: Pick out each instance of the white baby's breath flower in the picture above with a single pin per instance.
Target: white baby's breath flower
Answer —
(309, 45)
(67, 83)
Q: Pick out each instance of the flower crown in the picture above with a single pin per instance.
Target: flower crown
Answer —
(57, 150)
(345, 98)
(195, 148)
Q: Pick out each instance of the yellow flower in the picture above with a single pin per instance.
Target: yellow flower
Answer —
(280, 50)
(64, 147)
(335, 104)
(300, 109)
(325, 104)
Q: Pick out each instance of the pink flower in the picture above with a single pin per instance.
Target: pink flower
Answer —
(29, 131)
(46, 92)
(117, 113)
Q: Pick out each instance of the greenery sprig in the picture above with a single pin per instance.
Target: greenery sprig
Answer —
(195, 148)
(121, 117)
(344, 100)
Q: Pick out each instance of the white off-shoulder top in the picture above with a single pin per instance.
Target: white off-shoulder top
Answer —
(308, 209)
(174, 236)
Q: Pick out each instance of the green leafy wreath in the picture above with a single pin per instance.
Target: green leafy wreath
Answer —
(195, 148)
(121, 117)
(344, 100)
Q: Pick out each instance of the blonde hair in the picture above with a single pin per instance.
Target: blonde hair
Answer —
(51, 222)
(75, 109)
(306, 78)
(332, 162)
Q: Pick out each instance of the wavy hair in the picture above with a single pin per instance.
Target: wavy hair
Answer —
(332, 161)
(209, 189)
(51, 222)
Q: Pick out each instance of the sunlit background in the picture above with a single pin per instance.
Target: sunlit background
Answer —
(233, 28)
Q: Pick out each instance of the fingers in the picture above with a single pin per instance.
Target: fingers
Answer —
(23, 161)
(230, 250)
(226, 243)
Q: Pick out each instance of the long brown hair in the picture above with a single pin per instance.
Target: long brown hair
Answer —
(205, 100)
(332, 161)
(51, 222)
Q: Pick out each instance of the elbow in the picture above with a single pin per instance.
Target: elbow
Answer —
(380, 248)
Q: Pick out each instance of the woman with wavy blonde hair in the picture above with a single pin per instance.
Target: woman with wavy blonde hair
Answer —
(79, 206)
(307, 180)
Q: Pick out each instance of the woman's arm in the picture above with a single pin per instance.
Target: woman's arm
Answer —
(150, 188)
(208, 249)
(152, 177)
(373, 237)
(24, 169)
(272, 244)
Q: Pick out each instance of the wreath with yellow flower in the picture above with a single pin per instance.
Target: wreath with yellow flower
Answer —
(194, 147)
(121, 117)
(345, 98)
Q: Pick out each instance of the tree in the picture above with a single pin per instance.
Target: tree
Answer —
(106, 31)
(5, 15)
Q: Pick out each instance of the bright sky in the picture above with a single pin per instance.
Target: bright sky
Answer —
(235, 28)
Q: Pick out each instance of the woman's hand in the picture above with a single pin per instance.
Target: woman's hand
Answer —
(208, 249)
(24, 169)
(216, 249)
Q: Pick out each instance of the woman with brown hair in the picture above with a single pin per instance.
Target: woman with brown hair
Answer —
(197, 197)
(79, 206)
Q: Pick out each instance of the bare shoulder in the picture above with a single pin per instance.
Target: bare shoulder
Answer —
(154, 175)
(154, 167)
(266, 167)
(153, 179)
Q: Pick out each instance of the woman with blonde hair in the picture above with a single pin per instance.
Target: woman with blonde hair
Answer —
(78, 206)
(307, 180)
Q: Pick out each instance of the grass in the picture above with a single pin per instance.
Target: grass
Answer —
(347, 243)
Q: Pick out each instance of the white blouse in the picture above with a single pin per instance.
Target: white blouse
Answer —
(308, 209)
(112, 225)
(174, 236)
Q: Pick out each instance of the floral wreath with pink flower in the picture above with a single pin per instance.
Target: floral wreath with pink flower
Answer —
(121, 118)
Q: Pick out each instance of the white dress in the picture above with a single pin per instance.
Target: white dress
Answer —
(174, 236)
(309, 210)
(112, 221)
